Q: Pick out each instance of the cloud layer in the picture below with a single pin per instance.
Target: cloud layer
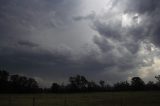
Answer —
(53, 39)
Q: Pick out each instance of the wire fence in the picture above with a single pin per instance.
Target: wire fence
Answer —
(33, 101)
(53, 101)
(95, 99)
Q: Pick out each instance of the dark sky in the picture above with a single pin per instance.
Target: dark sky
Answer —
(50, 40)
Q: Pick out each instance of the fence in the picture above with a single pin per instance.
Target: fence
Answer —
(84, 99)
(32, 101)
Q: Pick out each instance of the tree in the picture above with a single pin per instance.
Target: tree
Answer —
(158, 78)
(92, 86)
(55, 87)
(151, 85)
(120, 86)
(23, 84)
(78, 83)
(4, 75)
(158, 81)
(4, 84)
(137, 83)
(32, 84)
(102, 83)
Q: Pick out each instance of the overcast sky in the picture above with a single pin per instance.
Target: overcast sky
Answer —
(50, 40)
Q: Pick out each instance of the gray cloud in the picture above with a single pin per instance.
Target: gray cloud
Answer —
(121, 44)
(149, 9)
(87, 17)
(27, 44)
(44, 39)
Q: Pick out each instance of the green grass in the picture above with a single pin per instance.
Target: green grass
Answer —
(83, 99)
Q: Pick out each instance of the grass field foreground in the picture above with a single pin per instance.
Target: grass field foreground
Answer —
(83, 99)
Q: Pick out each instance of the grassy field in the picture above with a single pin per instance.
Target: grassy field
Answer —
(83, 99)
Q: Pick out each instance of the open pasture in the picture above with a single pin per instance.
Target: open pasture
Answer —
(83, 99)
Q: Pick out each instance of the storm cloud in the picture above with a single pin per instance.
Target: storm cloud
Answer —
(51, 40)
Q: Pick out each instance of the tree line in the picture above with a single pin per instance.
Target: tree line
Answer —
(16, 83)
(22, 84)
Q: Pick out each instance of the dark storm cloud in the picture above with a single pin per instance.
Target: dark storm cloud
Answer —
(143, 6)
(119, 55)
(121, 45)
(27, 43)
(110, 29)
(150, 10)
(33, 61)
(116, 51)
(87, 17)
(19, 19)
(48, 65)
(103, 44)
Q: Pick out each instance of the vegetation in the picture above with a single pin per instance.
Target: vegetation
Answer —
(73, 93)
(83, 99)
(22, 84)
(17, 83)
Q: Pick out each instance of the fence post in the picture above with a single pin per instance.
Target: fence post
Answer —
(122, 102)
(65, 101)
(10, 101)
(34, 100)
